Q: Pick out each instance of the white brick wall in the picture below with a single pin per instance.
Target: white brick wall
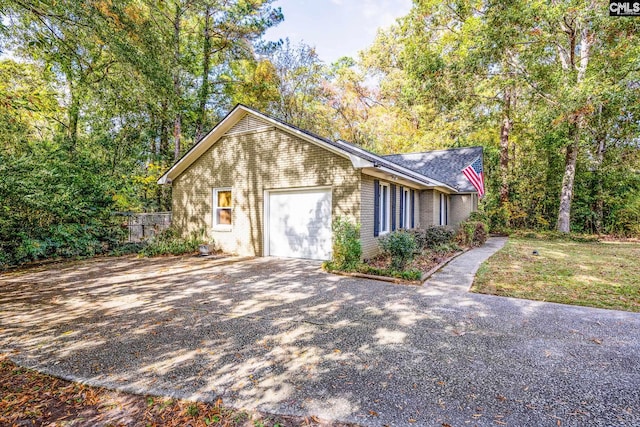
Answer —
(461, 207)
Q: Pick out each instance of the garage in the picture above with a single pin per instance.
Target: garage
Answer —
(298, 223)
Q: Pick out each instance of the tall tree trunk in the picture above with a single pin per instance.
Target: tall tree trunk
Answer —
(177, 135)
(164, 131)
(566, 192)
(206, 65)
(570, 67)
(505, 129)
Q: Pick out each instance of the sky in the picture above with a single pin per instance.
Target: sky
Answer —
(335, 28)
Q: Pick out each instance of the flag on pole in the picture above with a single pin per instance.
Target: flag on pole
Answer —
(475, 175)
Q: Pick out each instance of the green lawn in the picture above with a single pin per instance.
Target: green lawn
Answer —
(596, 274)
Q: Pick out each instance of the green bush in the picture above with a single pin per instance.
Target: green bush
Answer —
(127, 248)
(626, 220)
(347, 248)
(445, 248)
(412, 274)
(433, 236)
(438, 235)
(401, 246)
(480, 216)
(169, 242)
(472, 233)
(56, 241)
(53, 205)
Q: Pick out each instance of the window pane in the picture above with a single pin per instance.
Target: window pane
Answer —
(383, 206)
(224, 199)
(224, 216)
(407, 210)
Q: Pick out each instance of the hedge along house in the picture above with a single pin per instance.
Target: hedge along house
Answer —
(258, 186)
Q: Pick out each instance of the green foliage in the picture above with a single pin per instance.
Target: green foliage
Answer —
(432, 236)
(445, 248)
(481, 217)
(627, 219)
(127, 248)
(411, 274)
(53, 205)
(346, 248)
(438, 235)
(192, 410)
(169, 242)
(401, 246)
(471, 233)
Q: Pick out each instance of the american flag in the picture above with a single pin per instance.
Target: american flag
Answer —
(475, 175)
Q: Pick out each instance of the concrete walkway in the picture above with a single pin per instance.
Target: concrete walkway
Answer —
(458, 275)
(283, 337)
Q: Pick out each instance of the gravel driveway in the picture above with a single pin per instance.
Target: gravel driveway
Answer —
(281, 336)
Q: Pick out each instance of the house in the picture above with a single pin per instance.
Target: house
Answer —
(259, 186)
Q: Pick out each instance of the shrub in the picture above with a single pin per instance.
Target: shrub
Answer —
(170, 242)
(412, 274)
(471, 233)
(346, 245)
(127, 248)
(65, 240)
(479, 216)
(438, 235)
(400, 245)
(445, 248)
(419, 236)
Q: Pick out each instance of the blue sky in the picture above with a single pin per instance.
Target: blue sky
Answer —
(336, 27)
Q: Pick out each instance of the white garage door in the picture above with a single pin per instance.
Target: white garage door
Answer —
(299, 224)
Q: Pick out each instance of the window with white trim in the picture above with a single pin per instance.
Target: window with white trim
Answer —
(385, 209)
(406, 203)
(444, 209)
(222, 209)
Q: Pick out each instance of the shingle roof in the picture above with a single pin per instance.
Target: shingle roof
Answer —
(442, 165)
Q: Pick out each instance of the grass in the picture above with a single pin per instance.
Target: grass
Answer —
(595, 274)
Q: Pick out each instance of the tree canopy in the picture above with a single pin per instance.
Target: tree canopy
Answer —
(98, 98)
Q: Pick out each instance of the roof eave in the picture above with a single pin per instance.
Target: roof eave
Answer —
(399, 169)
(233, 117)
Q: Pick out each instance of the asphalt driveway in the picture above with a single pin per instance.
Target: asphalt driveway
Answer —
(283, 337)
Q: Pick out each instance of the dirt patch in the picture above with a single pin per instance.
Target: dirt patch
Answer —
(34, 399)
(423, 262)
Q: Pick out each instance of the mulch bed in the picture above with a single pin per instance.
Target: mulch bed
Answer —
(423, 262)
(29, 398)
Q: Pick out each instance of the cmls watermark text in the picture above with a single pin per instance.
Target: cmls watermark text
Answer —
(624, 8)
